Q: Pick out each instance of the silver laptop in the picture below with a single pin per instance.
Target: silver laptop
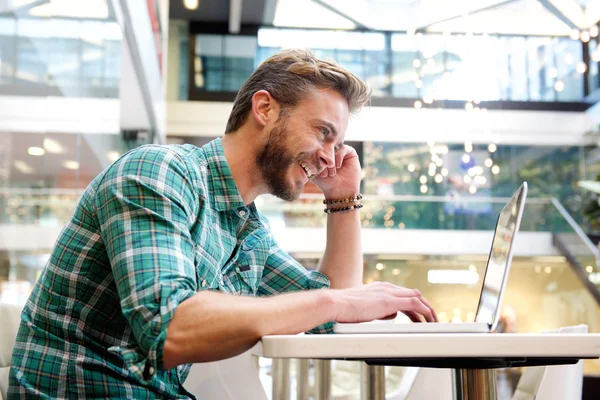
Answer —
(492, 291)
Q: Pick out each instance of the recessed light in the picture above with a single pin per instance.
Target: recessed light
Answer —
(190, 4)
(53, 146)
(36, 151)
(69, 164)
(23, 167)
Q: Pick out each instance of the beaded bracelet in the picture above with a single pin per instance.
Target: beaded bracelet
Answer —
(352, 199)
(343, 209)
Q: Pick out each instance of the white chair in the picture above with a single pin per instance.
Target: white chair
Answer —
(557, 382)
(10, 318)
(236, 378)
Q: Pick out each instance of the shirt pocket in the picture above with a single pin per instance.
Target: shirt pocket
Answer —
(248, 266)
(207, 269)
(246, 278)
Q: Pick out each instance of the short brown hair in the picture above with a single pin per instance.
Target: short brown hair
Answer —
(289, 76)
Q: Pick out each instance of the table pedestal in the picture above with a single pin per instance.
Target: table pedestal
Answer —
(372, 385)
(475, 384)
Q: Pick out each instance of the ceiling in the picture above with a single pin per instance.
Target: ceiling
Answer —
(522, 17)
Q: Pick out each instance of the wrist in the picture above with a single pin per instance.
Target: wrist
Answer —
(331, 303)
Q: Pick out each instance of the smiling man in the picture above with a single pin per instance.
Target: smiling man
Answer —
(167, 262)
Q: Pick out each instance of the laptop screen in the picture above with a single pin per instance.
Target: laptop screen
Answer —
(498, 265)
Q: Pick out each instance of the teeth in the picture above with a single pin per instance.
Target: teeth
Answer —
(308, 172)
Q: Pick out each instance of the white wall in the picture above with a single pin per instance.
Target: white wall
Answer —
(394, 124)
(59, 114)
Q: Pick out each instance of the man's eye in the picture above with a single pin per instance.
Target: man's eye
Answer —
(324, 131)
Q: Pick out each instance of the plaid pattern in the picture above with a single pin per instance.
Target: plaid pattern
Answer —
(159, 225)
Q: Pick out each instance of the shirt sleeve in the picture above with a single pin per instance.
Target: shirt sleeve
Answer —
(283, 274)
(145, 206)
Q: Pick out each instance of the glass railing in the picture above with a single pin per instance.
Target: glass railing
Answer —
(579, 250)
(416, 212)
(54, 207)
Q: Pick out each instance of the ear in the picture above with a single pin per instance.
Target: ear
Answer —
(265, 108)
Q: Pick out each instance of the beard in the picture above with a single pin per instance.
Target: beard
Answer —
(274, 161)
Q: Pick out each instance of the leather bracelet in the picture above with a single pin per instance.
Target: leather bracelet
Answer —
(343, 209)
(352, 199)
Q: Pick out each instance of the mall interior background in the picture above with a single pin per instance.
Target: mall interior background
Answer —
(469, 101)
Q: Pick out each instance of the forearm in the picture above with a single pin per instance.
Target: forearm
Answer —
(213, 326)
(343, 258)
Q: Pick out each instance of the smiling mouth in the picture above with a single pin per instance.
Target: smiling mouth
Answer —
(309, 173)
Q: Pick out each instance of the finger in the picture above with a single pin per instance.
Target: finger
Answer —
(414, 317)
(323, 174)
(331, 171)
(424, 300)
(415, 304)
(404, 292)
(340, 155)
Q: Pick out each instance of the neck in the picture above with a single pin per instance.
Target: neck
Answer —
(240, 148)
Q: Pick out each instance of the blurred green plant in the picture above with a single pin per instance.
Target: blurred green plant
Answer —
(591, 207)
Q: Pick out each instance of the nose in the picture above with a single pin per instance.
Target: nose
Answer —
(327, 156)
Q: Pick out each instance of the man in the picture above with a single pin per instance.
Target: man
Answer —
(167, 262)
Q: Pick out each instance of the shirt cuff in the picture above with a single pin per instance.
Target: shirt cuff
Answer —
(145, 360)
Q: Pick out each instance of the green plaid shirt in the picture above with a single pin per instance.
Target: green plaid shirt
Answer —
(159, 225)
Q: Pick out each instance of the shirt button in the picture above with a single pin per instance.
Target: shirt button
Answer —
(203, 283)
(242, 213)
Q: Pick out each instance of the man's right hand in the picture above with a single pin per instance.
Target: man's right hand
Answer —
(381, 300)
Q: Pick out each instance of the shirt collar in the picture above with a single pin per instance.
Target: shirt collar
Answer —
(225, 193)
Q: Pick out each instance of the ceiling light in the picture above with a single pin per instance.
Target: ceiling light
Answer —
(589, 269)
(424, 188)
(585, 36)
(492, 148)
(495, 170)
(480, 180)
(552, 73)
(581, 67)
(36, 151)
(428, 99)
(190, 4)
(423, 179)
(53, 146)
(416, 63)
(489, 162)
(559, 86)
(469, 106)
(419, 84)
(468, 146)
(574, 34)
(411, 167)
(70, 164)
(569, 59)
(466, 158)
(594, 31)
(467, 179)
(472, 189)
(418, 104)
(445, 171)
(23, 167)
(439, 178)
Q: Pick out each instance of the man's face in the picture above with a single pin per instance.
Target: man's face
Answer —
(303, 142)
